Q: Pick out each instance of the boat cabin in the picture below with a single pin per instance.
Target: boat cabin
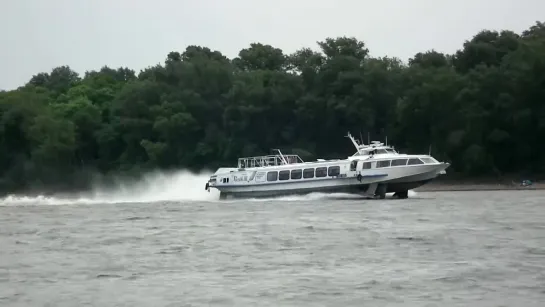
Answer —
(374, 148)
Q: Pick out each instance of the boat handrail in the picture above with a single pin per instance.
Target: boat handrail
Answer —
(269, 160)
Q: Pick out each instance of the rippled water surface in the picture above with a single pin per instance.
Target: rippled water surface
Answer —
(434, 249)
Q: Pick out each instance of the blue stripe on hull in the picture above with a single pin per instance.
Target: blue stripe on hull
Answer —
(291, 181)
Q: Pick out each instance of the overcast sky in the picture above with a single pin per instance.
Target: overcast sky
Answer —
(38, 35)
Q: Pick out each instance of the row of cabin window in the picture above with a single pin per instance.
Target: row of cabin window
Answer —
(399, 162)
(306, 173)
(388, 163)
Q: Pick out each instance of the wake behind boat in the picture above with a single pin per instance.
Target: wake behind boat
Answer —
(374, 170)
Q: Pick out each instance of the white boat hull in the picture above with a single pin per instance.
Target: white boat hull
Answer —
(394, 179)
(374, 170)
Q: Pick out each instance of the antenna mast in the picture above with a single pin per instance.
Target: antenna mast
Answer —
(281, 156)
(353, 141)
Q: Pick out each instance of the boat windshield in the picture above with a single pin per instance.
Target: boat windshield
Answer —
(375, 151)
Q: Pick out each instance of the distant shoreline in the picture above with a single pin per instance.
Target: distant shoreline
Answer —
(455, 187)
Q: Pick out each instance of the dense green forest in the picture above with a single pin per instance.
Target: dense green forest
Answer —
(481, 108)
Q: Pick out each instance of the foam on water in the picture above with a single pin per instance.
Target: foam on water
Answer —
(320, 196)
(156, 187)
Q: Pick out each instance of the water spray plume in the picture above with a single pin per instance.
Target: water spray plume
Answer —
(153, 187)
(177, 186)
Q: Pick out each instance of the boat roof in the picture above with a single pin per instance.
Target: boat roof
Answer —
(373, 147)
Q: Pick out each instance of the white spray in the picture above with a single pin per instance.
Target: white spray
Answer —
(179, 186)
(154, 187)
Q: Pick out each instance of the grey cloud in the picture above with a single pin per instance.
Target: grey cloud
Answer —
(38, 35)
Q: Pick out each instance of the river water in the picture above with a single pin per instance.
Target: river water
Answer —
(433, 249)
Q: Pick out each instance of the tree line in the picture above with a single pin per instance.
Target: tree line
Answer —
(481, 108)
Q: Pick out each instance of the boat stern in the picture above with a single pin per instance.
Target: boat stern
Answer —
(211, 183)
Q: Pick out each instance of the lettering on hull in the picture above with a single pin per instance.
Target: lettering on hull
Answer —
(240, 178)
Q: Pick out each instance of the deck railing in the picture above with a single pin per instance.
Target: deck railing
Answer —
(270, 160)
